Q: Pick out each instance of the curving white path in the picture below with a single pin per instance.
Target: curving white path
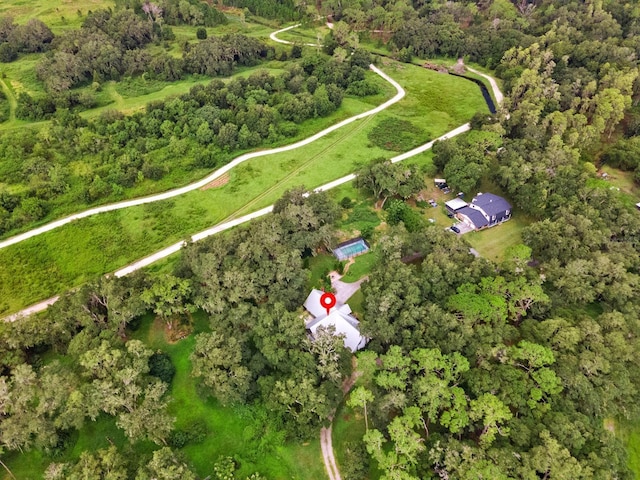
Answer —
(274, 37)
(497, 94)
(233, 223)
(165, 252)
(221, 171)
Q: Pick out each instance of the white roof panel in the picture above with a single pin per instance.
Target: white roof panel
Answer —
(352, 338)
(456, 204)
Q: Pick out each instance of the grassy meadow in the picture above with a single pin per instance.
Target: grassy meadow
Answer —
(51, 263)
(59, 16)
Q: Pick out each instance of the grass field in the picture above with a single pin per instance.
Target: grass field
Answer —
(232, 430)
(302, 35)
(51, 263)
(59, 16)
(493, 242)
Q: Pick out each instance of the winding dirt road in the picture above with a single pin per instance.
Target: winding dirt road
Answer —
(221, 171)
(497, 94)
(274, 37)
(325, 433)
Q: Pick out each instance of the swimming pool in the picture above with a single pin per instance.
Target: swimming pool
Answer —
(350, 249)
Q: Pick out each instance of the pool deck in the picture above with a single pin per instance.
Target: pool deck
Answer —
(343, 250)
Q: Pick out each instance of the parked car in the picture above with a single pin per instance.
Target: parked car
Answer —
(455, 229)
(446, 190)
(433, 203)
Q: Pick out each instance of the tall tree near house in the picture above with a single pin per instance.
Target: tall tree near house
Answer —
(300, 402)
(385, 179)
(330, 351)
(360, 397)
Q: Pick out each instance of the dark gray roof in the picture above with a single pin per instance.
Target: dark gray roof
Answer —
(491, 204)
(475, 216)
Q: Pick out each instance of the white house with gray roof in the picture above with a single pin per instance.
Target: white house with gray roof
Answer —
(339, 317)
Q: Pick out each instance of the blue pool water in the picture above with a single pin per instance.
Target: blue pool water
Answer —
(348, 251)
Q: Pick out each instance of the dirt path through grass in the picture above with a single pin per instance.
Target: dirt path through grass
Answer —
(327, 454)
(11, 98)
(115, 96)
(221, 171)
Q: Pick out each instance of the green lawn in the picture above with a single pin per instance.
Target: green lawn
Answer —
(362, 266)
(51, 263)
(493, 242)
(320, 266)
(356, 302)
(629, 433)
(233, 431)
(59, 16)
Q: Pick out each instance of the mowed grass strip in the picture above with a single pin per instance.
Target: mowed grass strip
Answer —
(51, 263)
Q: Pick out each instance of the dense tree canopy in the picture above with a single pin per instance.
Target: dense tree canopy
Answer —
(475, 368)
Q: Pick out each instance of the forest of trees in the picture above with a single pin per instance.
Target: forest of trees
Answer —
(251, 282)
(475, 368)
(198, 130)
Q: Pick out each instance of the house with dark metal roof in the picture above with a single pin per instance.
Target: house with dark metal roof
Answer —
(494, 208)
(472, 217)
(485, 210)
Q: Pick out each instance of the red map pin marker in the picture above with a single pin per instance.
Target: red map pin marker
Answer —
(328, 301)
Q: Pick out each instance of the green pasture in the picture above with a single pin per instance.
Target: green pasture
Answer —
(59, 16)
(51, 263)
(232, 431)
